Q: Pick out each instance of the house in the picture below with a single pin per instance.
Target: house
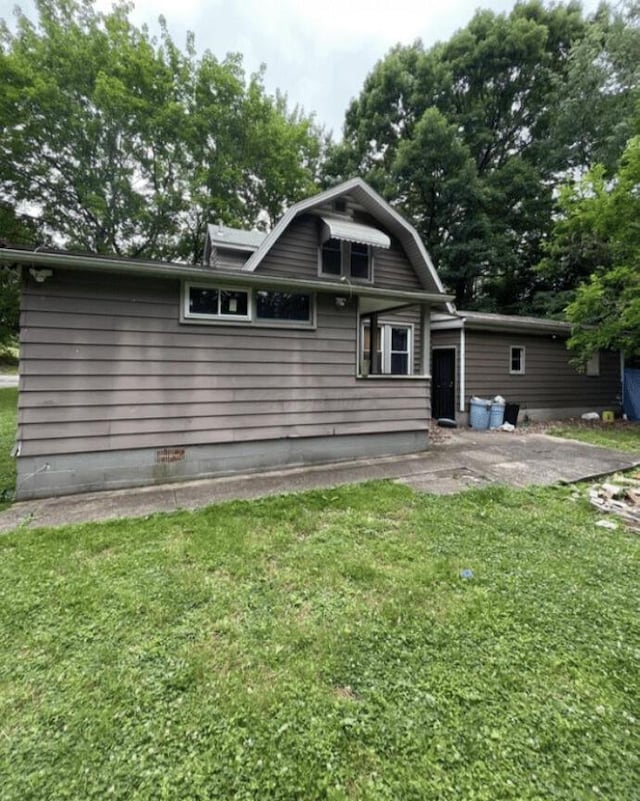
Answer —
(308, 344)
(524, 359)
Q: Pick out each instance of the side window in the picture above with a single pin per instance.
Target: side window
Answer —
(516, 360)
(395, 344)
(593, 365)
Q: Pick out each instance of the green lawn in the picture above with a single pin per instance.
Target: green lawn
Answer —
(325, 646)
(8, 414)
(622, 436)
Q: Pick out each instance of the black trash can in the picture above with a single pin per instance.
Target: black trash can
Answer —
(511, 411)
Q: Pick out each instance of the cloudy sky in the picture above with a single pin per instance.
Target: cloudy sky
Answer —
(318, 53)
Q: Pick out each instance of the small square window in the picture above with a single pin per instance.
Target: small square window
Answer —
(234, 303)
(516, 360)
(203, 300)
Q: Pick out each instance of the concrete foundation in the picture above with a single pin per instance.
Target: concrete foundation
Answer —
(66, 474)
(535, 415)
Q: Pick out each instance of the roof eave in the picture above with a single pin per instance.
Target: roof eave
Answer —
(191, 272)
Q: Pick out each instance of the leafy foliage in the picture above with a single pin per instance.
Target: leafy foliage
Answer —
(129, 146)
(324, 645)
(599, 234)
(470, 137)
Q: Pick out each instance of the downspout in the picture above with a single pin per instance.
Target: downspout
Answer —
(463, 362)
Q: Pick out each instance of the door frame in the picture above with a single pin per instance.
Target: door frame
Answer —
(455, 350)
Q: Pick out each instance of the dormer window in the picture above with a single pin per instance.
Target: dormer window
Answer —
(332, 257)
(347, 249)
(351, 259)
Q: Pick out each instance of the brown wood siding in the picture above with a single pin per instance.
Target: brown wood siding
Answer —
(229, 259)
(106, 365)
(549, 381)
(296, 253)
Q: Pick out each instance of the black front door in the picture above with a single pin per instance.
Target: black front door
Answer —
(443, 383)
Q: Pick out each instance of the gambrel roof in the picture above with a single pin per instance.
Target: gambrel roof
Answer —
(378, 208)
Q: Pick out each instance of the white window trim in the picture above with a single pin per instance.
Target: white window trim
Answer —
(522, 370)
(251, 318)
(345, 264)
(188, 285)
(386, 326)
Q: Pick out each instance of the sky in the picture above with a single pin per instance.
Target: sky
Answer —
(317, 52)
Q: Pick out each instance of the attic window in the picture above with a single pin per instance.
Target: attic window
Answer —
(340, 205)
(351, 259)
(347, 248)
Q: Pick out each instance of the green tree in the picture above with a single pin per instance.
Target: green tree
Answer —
(15, 231)
(128, 145)
(603, 221)
(470, 138)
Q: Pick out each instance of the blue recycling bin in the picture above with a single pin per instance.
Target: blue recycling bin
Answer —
(496, 415)
(479, 413)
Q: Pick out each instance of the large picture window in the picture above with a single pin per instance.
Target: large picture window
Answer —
(216, 302)
(395, 344)
(259, 306)
(272, 305)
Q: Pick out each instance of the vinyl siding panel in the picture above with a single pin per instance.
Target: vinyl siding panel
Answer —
(549, 381)
(296, 253)
(107, 366)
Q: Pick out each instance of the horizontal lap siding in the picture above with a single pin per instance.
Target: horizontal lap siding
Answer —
(296, 251)
(296, 254)
(549, 381)
(106, 365)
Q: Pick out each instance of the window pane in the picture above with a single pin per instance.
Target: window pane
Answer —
(283, 306)
(516, 360)
(234, 303)
(359, 260)
(332, 257)
(399, 364)
(203, 301)
(400, 339)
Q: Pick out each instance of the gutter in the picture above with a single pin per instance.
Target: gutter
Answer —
(154, 269)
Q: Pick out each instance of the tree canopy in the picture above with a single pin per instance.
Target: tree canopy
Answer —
(125, 144)
(471, 137)
(601, 225)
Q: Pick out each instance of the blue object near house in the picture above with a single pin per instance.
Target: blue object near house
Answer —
(631, 400)
(479, 412)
